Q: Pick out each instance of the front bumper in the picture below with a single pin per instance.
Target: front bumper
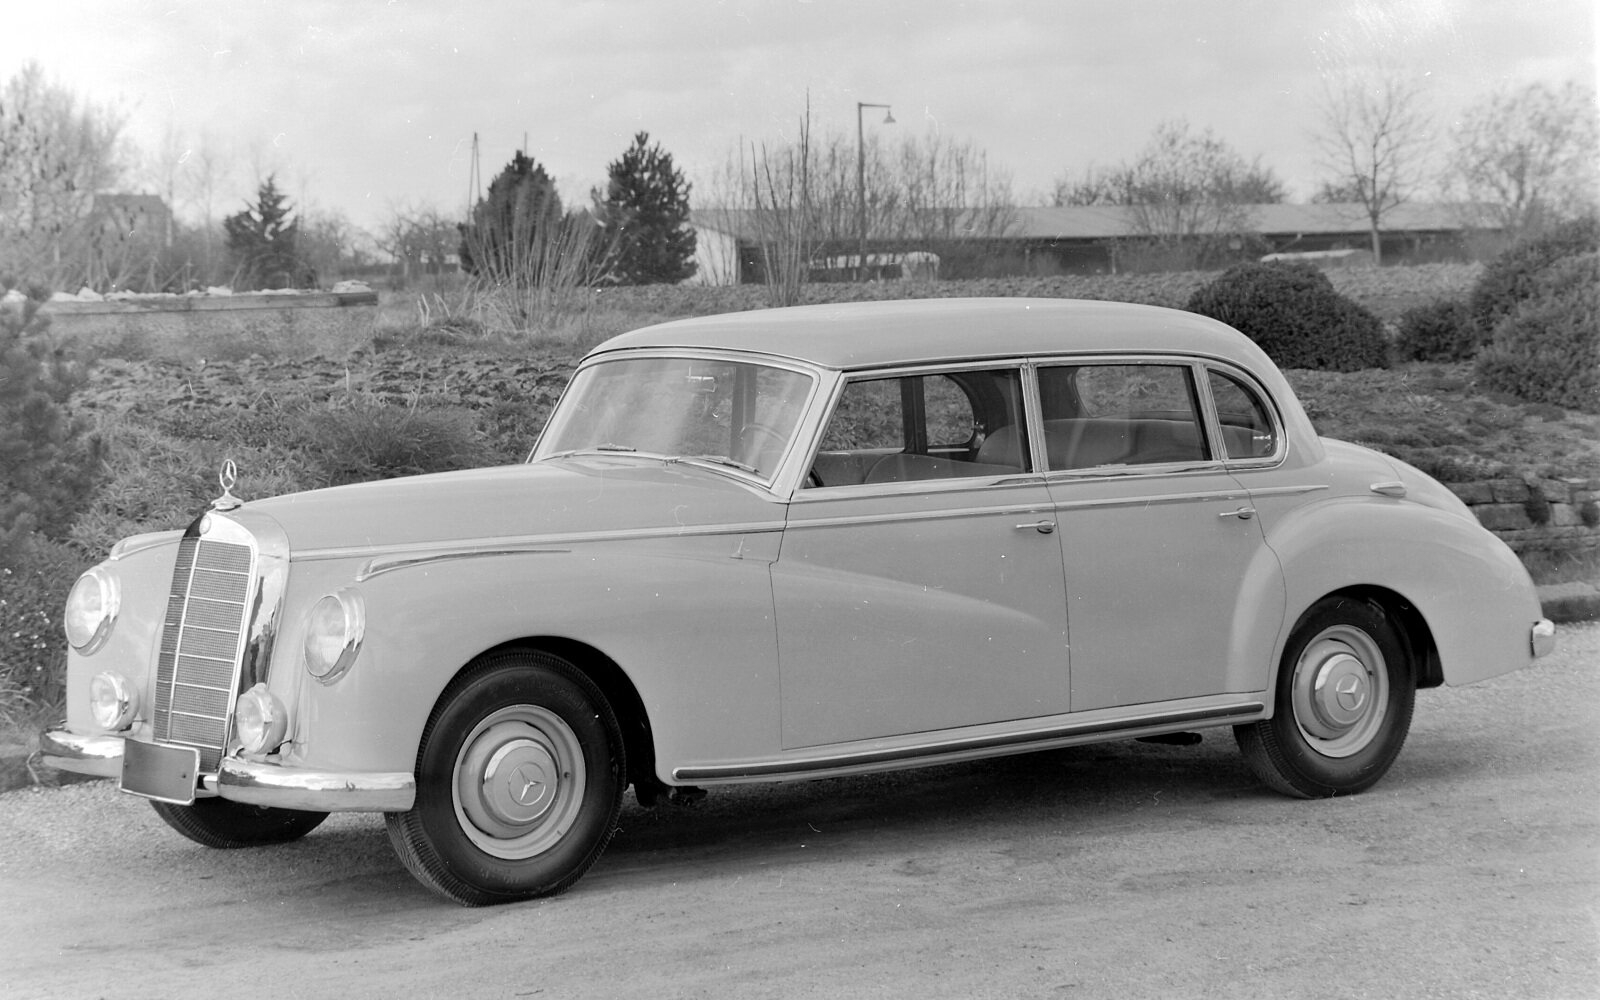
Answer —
(256, 782)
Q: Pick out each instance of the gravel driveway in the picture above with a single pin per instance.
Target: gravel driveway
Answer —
(1124, 870)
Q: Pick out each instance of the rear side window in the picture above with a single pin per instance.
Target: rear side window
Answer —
(1247, 427)
(1120, 414)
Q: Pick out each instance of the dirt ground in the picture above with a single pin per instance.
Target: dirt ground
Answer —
(1123, 870)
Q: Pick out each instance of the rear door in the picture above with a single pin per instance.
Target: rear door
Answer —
(1165, 561)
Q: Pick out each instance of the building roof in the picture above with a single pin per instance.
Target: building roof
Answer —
(858, 335)
(1102, 222)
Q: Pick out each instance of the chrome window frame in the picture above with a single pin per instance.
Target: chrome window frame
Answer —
(1250, 383)
(1026, 387)
(778, 482)
(1206, 415)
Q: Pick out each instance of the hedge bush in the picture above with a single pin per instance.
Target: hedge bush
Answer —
(1513, 275)
(1440, 330)
(1547, 349)
(1294, 313)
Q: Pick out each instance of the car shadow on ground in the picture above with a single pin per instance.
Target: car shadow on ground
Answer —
(1086, 792)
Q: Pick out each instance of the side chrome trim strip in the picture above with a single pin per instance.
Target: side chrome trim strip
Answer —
(1058, 736)
(1290, 491)
(553, 542)
(855, 520)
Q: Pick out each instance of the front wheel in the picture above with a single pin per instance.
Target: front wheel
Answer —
(519, 782)
(225, 824)
(1343, 704)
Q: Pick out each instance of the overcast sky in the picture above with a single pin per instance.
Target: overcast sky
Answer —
(360, 106)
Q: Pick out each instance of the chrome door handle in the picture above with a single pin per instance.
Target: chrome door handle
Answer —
(1042, 527)
(1243, 513)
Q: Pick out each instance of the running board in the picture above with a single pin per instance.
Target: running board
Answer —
(983, 746)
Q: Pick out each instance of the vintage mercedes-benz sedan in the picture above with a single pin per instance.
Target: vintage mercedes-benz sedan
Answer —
(792, 544)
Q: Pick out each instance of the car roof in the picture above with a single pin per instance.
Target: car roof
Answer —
(855, 335)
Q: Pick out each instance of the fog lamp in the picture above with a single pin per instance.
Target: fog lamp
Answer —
(112, 701)
(334, 631)
(260, 720)
(91, 610)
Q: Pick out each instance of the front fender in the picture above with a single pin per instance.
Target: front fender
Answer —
(1468, 586)
(689, 621)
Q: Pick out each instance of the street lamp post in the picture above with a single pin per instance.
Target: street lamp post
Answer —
(861, 184)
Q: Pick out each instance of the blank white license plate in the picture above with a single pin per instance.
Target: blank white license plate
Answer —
(160, 772)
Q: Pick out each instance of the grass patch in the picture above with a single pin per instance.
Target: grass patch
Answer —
(1438, 418)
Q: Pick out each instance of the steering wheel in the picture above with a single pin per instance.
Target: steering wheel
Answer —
(757, 440)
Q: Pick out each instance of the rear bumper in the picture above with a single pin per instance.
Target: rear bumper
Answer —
(1542, 637)
(259, 783)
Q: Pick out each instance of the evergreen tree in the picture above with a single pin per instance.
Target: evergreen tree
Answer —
(646, 208)
(263, 240)
(48, 459)
(519, 216)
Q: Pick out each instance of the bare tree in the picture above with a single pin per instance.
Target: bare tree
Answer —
(1189, 197)
(328, 244)
(1373, 140)
(944, 190)
(55, 155)
(785, 213)
(1095, 186)
(1525, 159)
(1189, 186)
(421, 239)
(805, 196)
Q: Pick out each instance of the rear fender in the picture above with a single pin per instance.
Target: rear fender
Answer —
(1467, 586)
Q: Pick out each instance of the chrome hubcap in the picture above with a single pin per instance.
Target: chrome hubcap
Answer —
(518, 782)
(1340, 691)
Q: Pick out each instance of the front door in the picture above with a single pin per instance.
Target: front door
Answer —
(919, 586)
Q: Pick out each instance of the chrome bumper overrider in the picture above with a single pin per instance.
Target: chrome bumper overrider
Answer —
(256, 782)
(1542, 637)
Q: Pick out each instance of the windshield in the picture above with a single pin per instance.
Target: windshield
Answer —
(730, 413)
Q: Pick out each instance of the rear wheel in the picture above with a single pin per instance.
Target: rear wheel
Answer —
(519, 782)
(1343, 704)
(222, 823)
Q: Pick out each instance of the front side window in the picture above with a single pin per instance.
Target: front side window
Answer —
(919, 427)
(1105, 415)
(732, 413)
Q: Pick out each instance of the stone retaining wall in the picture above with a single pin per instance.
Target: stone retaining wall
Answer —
(1529, 515)
(193, 327)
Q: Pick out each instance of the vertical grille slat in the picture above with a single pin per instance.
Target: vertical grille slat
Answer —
(206, 614)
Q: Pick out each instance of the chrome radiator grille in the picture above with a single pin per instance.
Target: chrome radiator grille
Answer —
(207, 610)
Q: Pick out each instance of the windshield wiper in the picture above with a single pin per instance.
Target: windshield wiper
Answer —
(721, 460)
(608, 446)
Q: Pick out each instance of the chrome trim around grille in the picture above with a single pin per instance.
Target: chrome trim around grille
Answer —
(216, 638)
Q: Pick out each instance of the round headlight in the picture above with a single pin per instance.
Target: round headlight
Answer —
(91, 610)
(260, 720)
(112, 701)
(334, 630)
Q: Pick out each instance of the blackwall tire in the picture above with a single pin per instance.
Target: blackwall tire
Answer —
(520, 778)
(224, 824)
(1343, 705)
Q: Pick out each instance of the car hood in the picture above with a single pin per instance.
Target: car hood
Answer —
(564, 497)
